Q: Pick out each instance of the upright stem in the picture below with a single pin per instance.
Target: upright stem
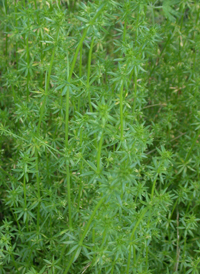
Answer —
(152, 194)
(40, 43)
(121, 111)
(133, 235)
(69, 197)
(99, 153)
(47, 82)
(80, 73)
(88, 74)
(6, 49)
(135, 92)
(67, 133)
(25, 203)
(67, 109)
(38, 189)
(137, 22)
(16, 45)
(28, 64)
(84, 233)
(81, 170)
(121, 90)
(153, 187)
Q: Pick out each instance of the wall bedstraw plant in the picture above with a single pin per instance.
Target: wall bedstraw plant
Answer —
(99, 137)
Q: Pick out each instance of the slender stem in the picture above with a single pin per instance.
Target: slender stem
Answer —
(121, 90)
(177, 245)
(135, 92)
(67, 109)
(25, 203)
(67, 166)
(38, 189)
(88, 74)
(99, 153)
(80, 73)
(175, 204)
(81, 170)
(137, 22)
(152, 194)
(67, 119)
(132, 236)
(14, 263)
(184, 252)
(47, 82)
(124, 32)
(40, 43)
(153, 17)
(91, 219)
(113, 267)
(153, 187)
(99, 10)
(13, 92)
(6, 49)
(94, 249)
(121, 111)
(84, 233)
(69, 197)
(16, 45)
(28, 65)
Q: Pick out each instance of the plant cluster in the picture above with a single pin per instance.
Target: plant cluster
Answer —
(99, 136)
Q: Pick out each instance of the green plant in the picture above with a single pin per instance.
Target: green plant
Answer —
(99, 126)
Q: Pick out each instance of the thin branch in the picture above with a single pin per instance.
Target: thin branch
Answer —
(86, 267)
(177, 246)
(162, 105)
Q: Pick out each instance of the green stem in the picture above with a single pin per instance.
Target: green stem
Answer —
(90, 220)
(135, 92)
(136, 28)
(6, 49)
(40, 43)
(14, 263)
(153, 187)
(84, 233)
(28, 64)
(113, 267)
(124, 32)
(38, 189)
(132, 236)
(67, 120)
(81, 171)
(88, 73)
(69, 197)
(80, 73)
(99, 153)
(16, 25)
(184, 252)
(67, 108)
(121, 111)
(25, 203)
(13, 92)
(175, 204)
(152, 194)
(68, 172)
(47, 82)
(99, 10)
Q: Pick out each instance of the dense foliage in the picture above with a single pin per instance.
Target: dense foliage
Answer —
(99, 136)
